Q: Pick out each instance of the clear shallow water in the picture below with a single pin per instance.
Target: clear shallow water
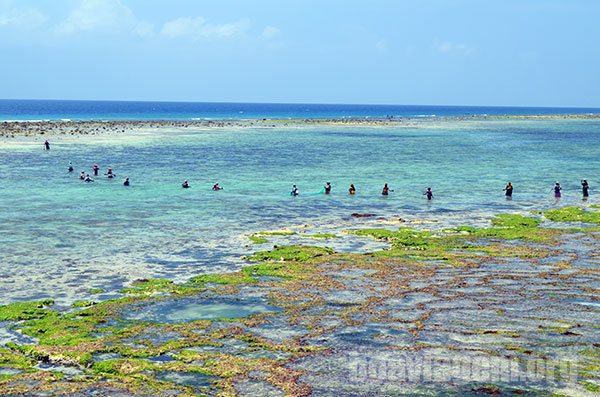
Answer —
(192, 309)
(61, 236)
(122, 110)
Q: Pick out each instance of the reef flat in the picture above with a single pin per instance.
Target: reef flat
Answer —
(508, 309)
(57, 128)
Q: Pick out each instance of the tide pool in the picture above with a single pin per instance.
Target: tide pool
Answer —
(60, 236)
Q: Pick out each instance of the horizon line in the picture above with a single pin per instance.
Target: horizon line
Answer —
(298, 103)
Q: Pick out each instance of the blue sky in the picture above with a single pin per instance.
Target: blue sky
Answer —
(438, 52)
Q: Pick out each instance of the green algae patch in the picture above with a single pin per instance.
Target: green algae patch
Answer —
(258, 240)
(591, 386)
(156, 286)
(515, 220)
(121, 366)
(227, 278)
(464, 245)
(403, 237)
(277, 233)
(297, 253)
(12, 359)
(96, 291)
(511, 227)
(279, 270)
(155, 348)
(148, 286)
(60, 331)
(26, 310)
(592, 352)
(573, 214)
(83, 304)
(325, 236)
(533, 234)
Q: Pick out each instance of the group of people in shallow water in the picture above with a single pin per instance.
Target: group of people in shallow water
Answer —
(557, 189)
(185, 184)
(585, 187)
(87, 177)
(352, 190)
(429, 193)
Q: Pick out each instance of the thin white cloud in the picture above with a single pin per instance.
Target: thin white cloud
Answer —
(23, 18)
(381, 46)
(93, 15)
(271, 32)
(450, 47)
(144, 29)
(198, 29)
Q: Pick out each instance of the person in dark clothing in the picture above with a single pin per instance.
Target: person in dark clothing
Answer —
(386, 190)
(509, 190)
(557, 190)
(428, 193)
(585, 187)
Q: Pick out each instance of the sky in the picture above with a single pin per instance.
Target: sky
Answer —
(406, 52)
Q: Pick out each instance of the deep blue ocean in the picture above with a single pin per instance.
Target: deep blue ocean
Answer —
(130, 110)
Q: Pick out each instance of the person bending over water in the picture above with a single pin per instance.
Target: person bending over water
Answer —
(294, 191)
(509, 190)
(126, 181)
(185, 184)
(585, 188)
(70, 166)
(428, 193)
(88, 178)
(327, 188)
(216, 187)
(557, 190)
(352, 189)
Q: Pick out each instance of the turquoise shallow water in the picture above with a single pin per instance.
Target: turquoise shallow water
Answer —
(61, 237)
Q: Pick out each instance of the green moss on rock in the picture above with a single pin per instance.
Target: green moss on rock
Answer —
(511, 233)
(573, 214)
(298, 253)
(277, 233)
(227, 278)
(13, 359)
(403, 237)
(83, 304)
(258, 240)
(321, 236)
(26, 310)
(149, 286)
(281, 270)
(515, 220)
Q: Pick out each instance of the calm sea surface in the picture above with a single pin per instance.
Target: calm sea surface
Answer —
(60, 237)
(115, 110)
